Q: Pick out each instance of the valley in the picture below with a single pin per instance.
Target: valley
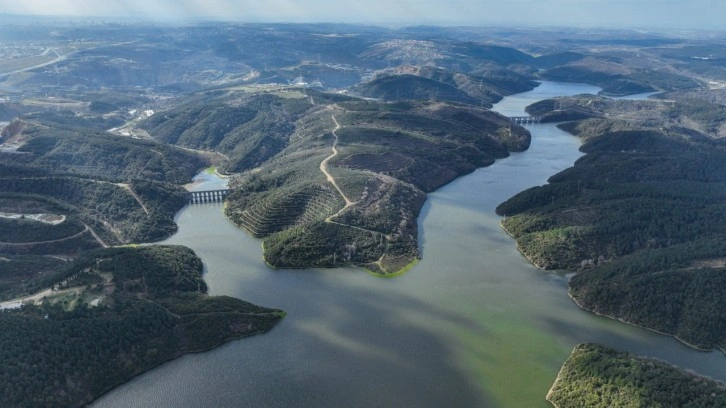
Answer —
(334, 151)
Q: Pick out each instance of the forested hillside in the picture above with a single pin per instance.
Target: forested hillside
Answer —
(250, 130)
(617, 77)
(426, 83)
(71, 149)
(79, 313)
(103, 188)
(685, 112)
(135, 212)
(641, 217)
(387, 157)
(595, 376)
(116, 313)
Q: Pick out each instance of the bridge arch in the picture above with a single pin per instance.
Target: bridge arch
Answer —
(522, 120)
(207, 196)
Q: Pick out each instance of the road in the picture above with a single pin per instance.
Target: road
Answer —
(324, 165)
(58, 58)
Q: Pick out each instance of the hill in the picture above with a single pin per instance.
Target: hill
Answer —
(113, 314)
(596, 376)
(640, 217)
(407, 86)
(483, 87)
(616, 77)
(77, 316)
(85, 152)
(103, 189)
(249, 130)
(387, 156)
(418, 48)
(691, 111)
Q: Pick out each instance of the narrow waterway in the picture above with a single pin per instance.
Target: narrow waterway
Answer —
(473, 324)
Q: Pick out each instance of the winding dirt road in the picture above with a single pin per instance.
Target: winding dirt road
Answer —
(324, 167)
(348, 202)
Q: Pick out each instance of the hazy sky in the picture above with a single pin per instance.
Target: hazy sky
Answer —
(709, 14)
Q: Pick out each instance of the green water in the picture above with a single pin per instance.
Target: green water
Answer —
(473, 324)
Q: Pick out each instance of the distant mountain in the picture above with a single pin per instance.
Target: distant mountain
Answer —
(553, 60)
(419, 52)
(427, 83)
(411, 87)
(617, 78)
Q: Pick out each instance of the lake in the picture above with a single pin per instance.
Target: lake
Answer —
(473, 324)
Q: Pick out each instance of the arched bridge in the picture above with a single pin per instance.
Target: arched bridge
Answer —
(208, 196)
(521, 120)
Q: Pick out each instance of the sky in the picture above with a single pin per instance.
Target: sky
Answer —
(688, 14)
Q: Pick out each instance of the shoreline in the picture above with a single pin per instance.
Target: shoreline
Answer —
(220, 175)
(576, 375)
(557, 379)
(516, 244)
(414, 261)
(389, 275)
(692, 346)
(176, 357)
(579, 305)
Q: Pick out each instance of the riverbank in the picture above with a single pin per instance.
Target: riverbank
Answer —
(473, 325)
(179, 355)
(556, 383)
(396, 274)
(519, 248)
(579, 305)
(149, 323)
(597, 376)
(693, 346)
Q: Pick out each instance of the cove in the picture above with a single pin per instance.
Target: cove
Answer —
(473, 324)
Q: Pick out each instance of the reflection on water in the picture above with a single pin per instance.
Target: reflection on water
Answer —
(473, 324)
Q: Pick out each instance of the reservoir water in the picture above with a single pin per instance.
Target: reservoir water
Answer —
(472, 325)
